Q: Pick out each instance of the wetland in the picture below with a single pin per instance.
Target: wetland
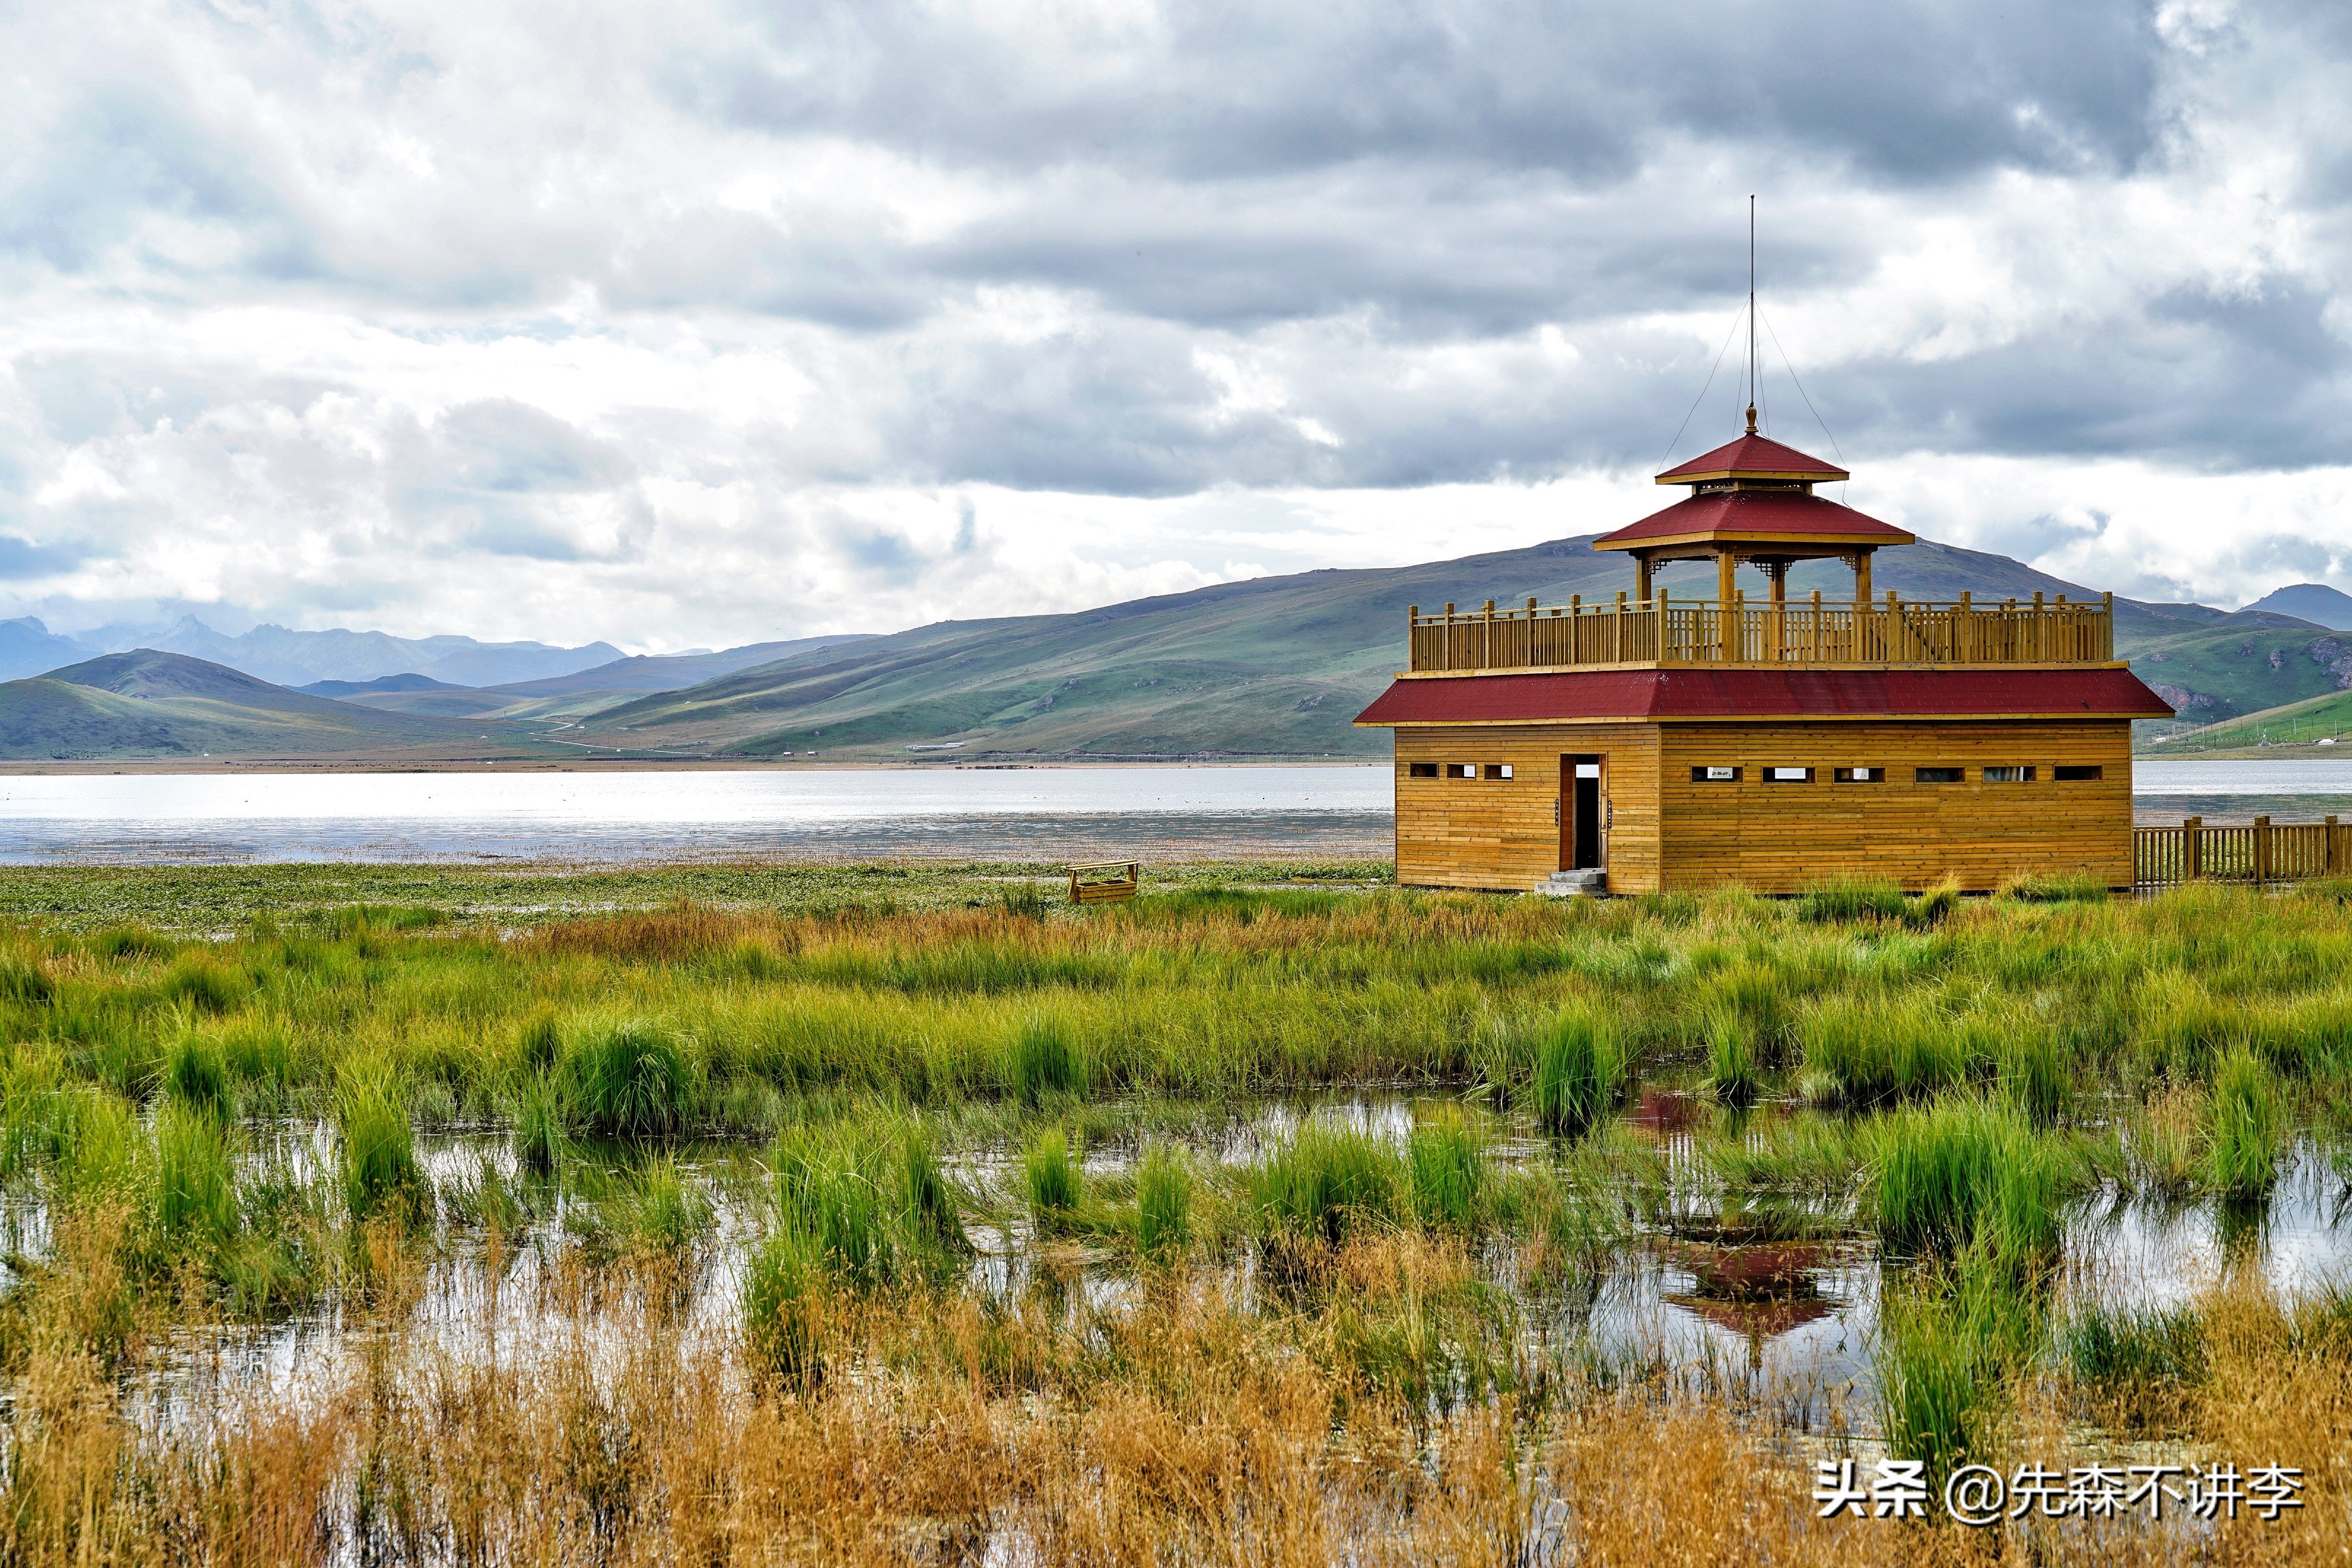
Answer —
(745, 1213)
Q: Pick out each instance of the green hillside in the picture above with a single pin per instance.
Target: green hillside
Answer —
(147, 704)
(1278, 666)
(2316, 726)
(2255, 663)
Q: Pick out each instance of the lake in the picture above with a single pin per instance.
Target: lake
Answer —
(852, 814)
(848, 814)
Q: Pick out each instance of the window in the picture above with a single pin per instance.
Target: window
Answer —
(1940, 776)
(1497, 770)
(1860, 775)
(2008, 775)
(1462, 770)
(1787, 776)
(1715, 776)
(2074, 773)
(1424, 770)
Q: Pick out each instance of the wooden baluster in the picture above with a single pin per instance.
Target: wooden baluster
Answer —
(2329, 860)
(2262, 850)
(1813, 638)
(2192, 845)
(1412, 638)
(1661, 651)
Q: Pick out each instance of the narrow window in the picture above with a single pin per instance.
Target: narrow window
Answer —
(1462, 770)
(1424, 770)
(2077, 774)
(1940, 776)
(2008, 775)
(1787, 776)
(1498, 770)
(1715, 776)
(1860, 775)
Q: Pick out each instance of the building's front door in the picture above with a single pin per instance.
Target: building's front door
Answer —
(1583, 812)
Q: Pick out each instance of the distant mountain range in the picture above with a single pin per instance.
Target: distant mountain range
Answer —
(287, 657)
(2315, 602)
(1280, 666)
(1272, 668)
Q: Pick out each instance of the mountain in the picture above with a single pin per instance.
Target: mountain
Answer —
(382, 683)
(1274, 667)
(27, 647)
(147, 703)
(672, 672)
(2315, 602)
(290, 658)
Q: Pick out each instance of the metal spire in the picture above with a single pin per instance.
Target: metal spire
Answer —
(1751, 312)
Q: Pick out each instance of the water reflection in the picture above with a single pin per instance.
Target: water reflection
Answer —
(1774, 1306)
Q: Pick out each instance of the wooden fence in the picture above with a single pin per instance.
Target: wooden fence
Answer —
(1802, 631)
(2260, 852)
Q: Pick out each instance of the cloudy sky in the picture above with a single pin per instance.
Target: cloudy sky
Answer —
(702, 322)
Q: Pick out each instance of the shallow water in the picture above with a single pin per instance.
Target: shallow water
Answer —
(1785, 1324)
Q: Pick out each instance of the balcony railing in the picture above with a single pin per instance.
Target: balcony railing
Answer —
(1797, 631)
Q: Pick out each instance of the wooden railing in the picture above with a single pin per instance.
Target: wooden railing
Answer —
(1798, 631)
(2259, 852)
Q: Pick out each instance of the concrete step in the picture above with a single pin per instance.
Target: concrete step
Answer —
(1575, 885)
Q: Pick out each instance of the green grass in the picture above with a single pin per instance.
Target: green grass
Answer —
(195, 1187)
(1046, 1059)
(1733, 1075)
(1053, 1180)
(1947, 1343)
(377, 1153)
(195, 1075)
(1580, 1071)
(1965, 1173)
(2248, 1127)
(1324, 1184)
(630, 1080)
(1164, 1202)
(1445, 1171)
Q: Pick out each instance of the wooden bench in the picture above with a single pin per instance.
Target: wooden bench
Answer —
(1111, 882)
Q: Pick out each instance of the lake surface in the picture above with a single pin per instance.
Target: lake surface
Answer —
(849, 814)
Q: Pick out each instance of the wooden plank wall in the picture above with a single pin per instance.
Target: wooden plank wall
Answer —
(1501, 833)
(1783, 838)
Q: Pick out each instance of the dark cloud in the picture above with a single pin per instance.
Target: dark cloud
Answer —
(1226, 89)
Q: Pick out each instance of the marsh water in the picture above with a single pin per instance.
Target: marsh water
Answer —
(931, 812)
(1686, 1297)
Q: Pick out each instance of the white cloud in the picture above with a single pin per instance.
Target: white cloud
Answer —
(711, 323)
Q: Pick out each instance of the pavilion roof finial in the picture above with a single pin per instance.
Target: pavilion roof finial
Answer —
(1751, 419)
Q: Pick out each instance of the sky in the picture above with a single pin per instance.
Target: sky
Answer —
(702, 323)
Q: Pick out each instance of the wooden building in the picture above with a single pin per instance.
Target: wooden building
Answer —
(1649, 743)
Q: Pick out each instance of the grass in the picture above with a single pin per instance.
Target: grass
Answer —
(1579, 1071)
(1324, 1184)
(2248, 1129)
(377, 1152)
(797, 1163)
(630, 1080)
(1965, 1175)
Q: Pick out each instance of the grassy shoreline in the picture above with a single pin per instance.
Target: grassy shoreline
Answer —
(1021, 1229)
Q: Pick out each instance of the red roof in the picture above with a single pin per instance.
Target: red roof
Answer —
(1656, 694)
(1751, 457)
(1758, 515)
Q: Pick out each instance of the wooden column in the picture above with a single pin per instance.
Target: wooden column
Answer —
(1861, 580)
(1726, 565)
(2262, 850)
(1642, 578)
(2330, 861)
(2192, 845)
(1735, 630)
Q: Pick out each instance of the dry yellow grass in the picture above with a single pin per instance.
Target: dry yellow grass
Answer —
(1178, 1427)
